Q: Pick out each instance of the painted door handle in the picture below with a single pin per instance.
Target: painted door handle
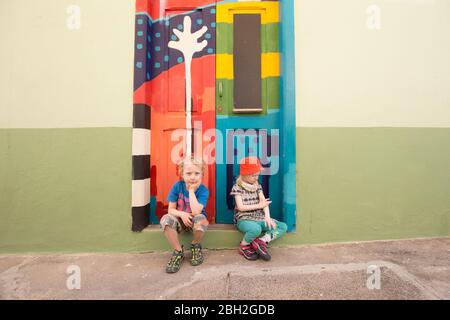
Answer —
(220, 90)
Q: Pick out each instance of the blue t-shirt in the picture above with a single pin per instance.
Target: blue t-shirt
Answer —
(179, 194)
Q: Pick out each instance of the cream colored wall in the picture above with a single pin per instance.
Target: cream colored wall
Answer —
(350, 76)
(347, 75)
(52, 77)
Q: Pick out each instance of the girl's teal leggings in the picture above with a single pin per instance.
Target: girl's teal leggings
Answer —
(252, 229)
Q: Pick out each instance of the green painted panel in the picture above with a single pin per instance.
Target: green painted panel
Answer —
(224, 96)
(69, 190)
(270, 95)
(269, 38)
(372, 183)
(224, 43)
(66, 190)
(270, 35)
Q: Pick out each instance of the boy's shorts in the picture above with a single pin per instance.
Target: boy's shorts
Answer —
(200, 223)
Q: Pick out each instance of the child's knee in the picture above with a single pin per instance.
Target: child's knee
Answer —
(170, 221)
(282, 227)
(252, 231)
(257, 230)
(200, 223)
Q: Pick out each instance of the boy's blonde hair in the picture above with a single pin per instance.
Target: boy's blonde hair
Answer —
(194, 160)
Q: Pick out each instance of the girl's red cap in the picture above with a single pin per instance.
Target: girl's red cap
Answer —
(250, 165)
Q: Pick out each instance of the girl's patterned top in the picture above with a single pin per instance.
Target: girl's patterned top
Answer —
(248, 198)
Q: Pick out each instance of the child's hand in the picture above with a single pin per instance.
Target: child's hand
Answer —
(194, 186)
(270, 223)
(187, 219)
(265, 203)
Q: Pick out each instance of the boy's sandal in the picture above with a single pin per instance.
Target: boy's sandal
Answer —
(175, 261)
(197, 255)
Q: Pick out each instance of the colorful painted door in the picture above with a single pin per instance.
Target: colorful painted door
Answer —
(247, 98)
(217, 99)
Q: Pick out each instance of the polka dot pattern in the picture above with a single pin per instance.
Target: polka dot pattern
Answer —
(152, 54)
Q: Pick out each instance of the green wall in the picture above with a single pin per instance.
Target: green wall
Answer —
(69, 190)
(372, 183)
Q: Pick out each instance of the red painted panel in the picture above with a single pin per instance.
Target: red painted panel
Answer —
(155, 8)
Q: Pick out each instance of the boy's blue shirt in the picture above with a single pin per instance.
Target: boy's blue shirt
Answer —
(180, 195)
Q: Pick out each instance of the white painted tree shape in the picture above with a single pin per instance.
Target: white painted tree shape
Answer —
(188, 45)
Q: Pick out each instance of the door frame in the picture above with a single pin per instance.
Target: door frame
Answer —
(288, 113)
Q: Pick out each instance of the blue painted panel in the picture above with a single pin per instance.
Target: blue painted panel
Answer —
(239, 144)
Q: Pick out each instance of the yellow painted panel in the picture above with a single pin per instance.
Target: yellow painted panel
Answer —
(224, 66)
(270, 65)
(267, 9)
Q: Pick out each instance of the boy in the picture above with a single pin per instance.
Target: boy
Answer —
(187, 202)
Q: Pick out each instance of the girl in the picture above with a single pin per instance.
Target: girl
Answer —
(187, 202)
(252, 215)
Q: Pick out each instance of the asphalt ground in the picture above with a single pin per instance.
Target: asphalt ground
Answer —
(401, 269)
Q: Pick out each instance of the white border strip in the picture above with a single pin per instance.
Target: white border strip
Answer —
(140, 192)
(141, 142)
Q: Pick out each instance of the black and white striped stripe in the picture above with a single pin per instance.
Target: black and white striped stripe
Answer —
(141, 167)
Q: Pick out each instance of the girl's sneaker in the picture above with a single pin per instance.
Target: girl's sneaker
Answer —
(248, 252)
(261, 248)
(174, 263)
